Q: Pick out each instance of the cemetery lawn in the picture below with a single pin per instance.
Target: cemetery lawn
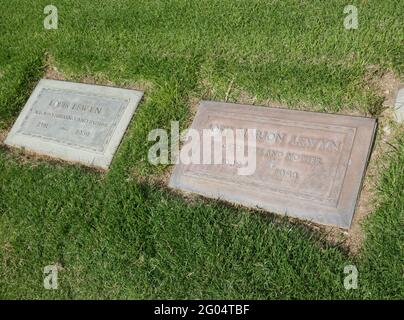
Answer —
(122, 233)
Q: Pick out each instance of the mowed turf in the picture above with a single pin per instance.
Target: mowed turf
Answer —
(120, 234)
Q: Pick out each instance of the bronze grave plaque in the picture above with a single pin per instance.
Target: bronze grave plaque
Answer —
(306, 164)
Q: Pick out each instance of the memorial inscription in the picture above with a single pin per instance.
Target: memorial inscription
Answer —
(308, 165)
(75, 122)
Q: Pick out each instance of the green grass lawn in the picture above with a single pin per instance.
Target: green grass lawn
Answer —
(122, 234)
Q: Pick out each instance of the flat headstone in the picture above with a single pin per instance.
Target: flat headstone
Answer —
(308, 165)
(399, 105)
(75, 122)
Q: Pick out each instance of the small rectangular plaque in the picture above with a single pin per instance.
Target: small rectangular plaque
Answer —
(75, 122)
(308, 165)
(399, 105)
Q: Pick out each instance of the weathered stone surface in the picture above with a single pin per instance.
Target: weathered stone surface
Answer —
(399, 105)
(308, 165)
(75, 122)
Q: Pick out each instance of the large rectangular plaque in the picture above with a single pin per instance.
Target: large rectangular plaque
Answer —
(308, 165)
(73, 121)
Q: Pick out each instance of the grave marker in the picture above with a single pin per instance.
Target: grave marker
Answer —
(308, 165)
(75, 122)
